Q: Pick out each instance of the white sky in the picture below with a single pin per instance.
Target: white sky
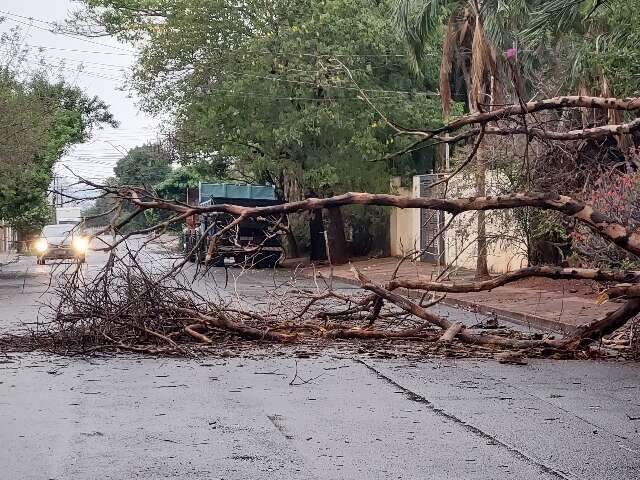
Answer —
(102, 75)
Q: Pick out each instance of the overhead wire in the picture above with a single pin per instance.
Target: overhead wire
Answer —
(54, 32)
(77, 50)
(121, 52)
(212, 47)
(101, 161)
(261, 77)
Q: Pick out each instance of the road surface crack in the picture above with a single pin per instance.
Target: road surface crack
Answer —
(415, 397)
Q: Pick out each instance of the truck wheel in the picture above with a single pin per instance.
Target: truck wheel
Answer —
(267, 260)
(41, 261)
(217, 261)
(198, 257)
(82, 259)
(188, 247)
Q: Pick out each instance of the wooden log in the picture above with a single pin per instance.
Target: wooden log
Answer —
(451, 332)
(192, 330)
(558, 273)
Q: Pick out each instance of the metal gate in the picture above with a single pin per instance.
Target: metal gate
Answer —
(431, 221)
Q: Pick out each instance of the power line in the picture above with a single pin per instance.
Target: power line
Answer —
(262, 77)
(83, 72)
(52, 31)
(210, 47)
(291, 98)
(38, 47)
(76, 60)
(77, 50)
(335, 86)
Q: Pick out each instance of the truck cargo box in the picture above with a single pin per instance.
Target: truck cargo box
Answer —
(66, 215)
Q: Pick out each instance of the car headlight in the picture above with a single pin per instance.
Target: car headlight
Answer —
(41, 245)
(80, 244)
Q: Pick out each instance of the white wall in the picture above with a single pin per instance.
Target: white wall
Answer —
(7, 238)
(404, 224)
(505, 250)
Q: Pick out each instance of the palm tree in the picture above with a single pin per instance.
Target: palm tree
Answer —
(587, 33)
(481, 35)
(476, 34)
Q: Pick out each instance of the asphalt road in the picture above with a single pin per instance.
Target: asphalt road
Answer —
(345, 417)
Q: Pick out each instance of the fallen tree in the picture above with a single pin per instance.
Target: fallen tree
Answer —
(125, 307)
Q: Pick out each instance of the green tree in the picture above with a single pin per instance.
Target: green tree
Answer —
(178, 181)
(264, 86)
(40, 120)
(472, 57)
(595, 40)
(143, 166)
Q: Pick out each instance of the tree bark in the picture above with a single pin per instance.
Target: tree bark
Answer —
(609, 324)
(292, 244)
(555, 103)
(337, 248)
(451, 332)
(628, 276)
(482, 268)
(627, 238)
(221, 320)
(316, 237)
(431, 318)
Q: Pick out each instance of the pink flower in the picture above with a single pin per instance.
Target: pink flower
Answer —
(510, 53)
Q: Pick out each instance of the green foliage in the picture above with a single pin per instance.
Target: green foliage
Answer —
(40, 120)
(143, 166)
(176, 183)
(271, 96)
(269, 91)
(150, 166)
(597, 41)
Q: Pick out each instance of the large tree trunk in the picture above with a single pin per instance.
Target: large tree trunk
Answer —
(292, 245)
(336, 241)
(482, 269)
(316, 237)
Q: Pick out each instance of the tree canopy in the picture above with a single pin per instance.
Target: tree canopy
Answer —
(264, 87)
(40, 119)
(146, 165)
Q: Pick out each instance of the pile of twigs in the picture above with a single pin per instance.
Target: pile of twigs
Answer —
(130, 307)
(625, 340)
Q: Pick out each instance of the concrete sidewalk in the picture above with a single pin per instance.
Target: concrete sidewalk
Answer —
(7, 258)
(554, 306)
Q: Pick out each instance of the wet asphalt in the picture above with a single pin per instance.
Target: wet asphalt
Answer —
(241, 418)
(341, 417)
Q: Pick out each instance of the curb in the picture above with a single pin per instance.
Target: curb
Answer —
(522, 319)
(517, 318)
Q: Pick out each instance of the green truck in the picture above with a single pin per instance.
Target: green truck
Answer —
(253, 243)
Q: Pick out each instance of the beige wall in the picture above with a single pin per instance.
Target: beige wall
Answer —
(504, 252)
(460, 246)
(404, 223)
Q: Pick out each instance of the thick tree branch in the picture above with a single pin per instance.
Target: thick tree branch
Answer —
(541, 271)
(464, 335)
(621, 235)
(556, 103)
(609, 324)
